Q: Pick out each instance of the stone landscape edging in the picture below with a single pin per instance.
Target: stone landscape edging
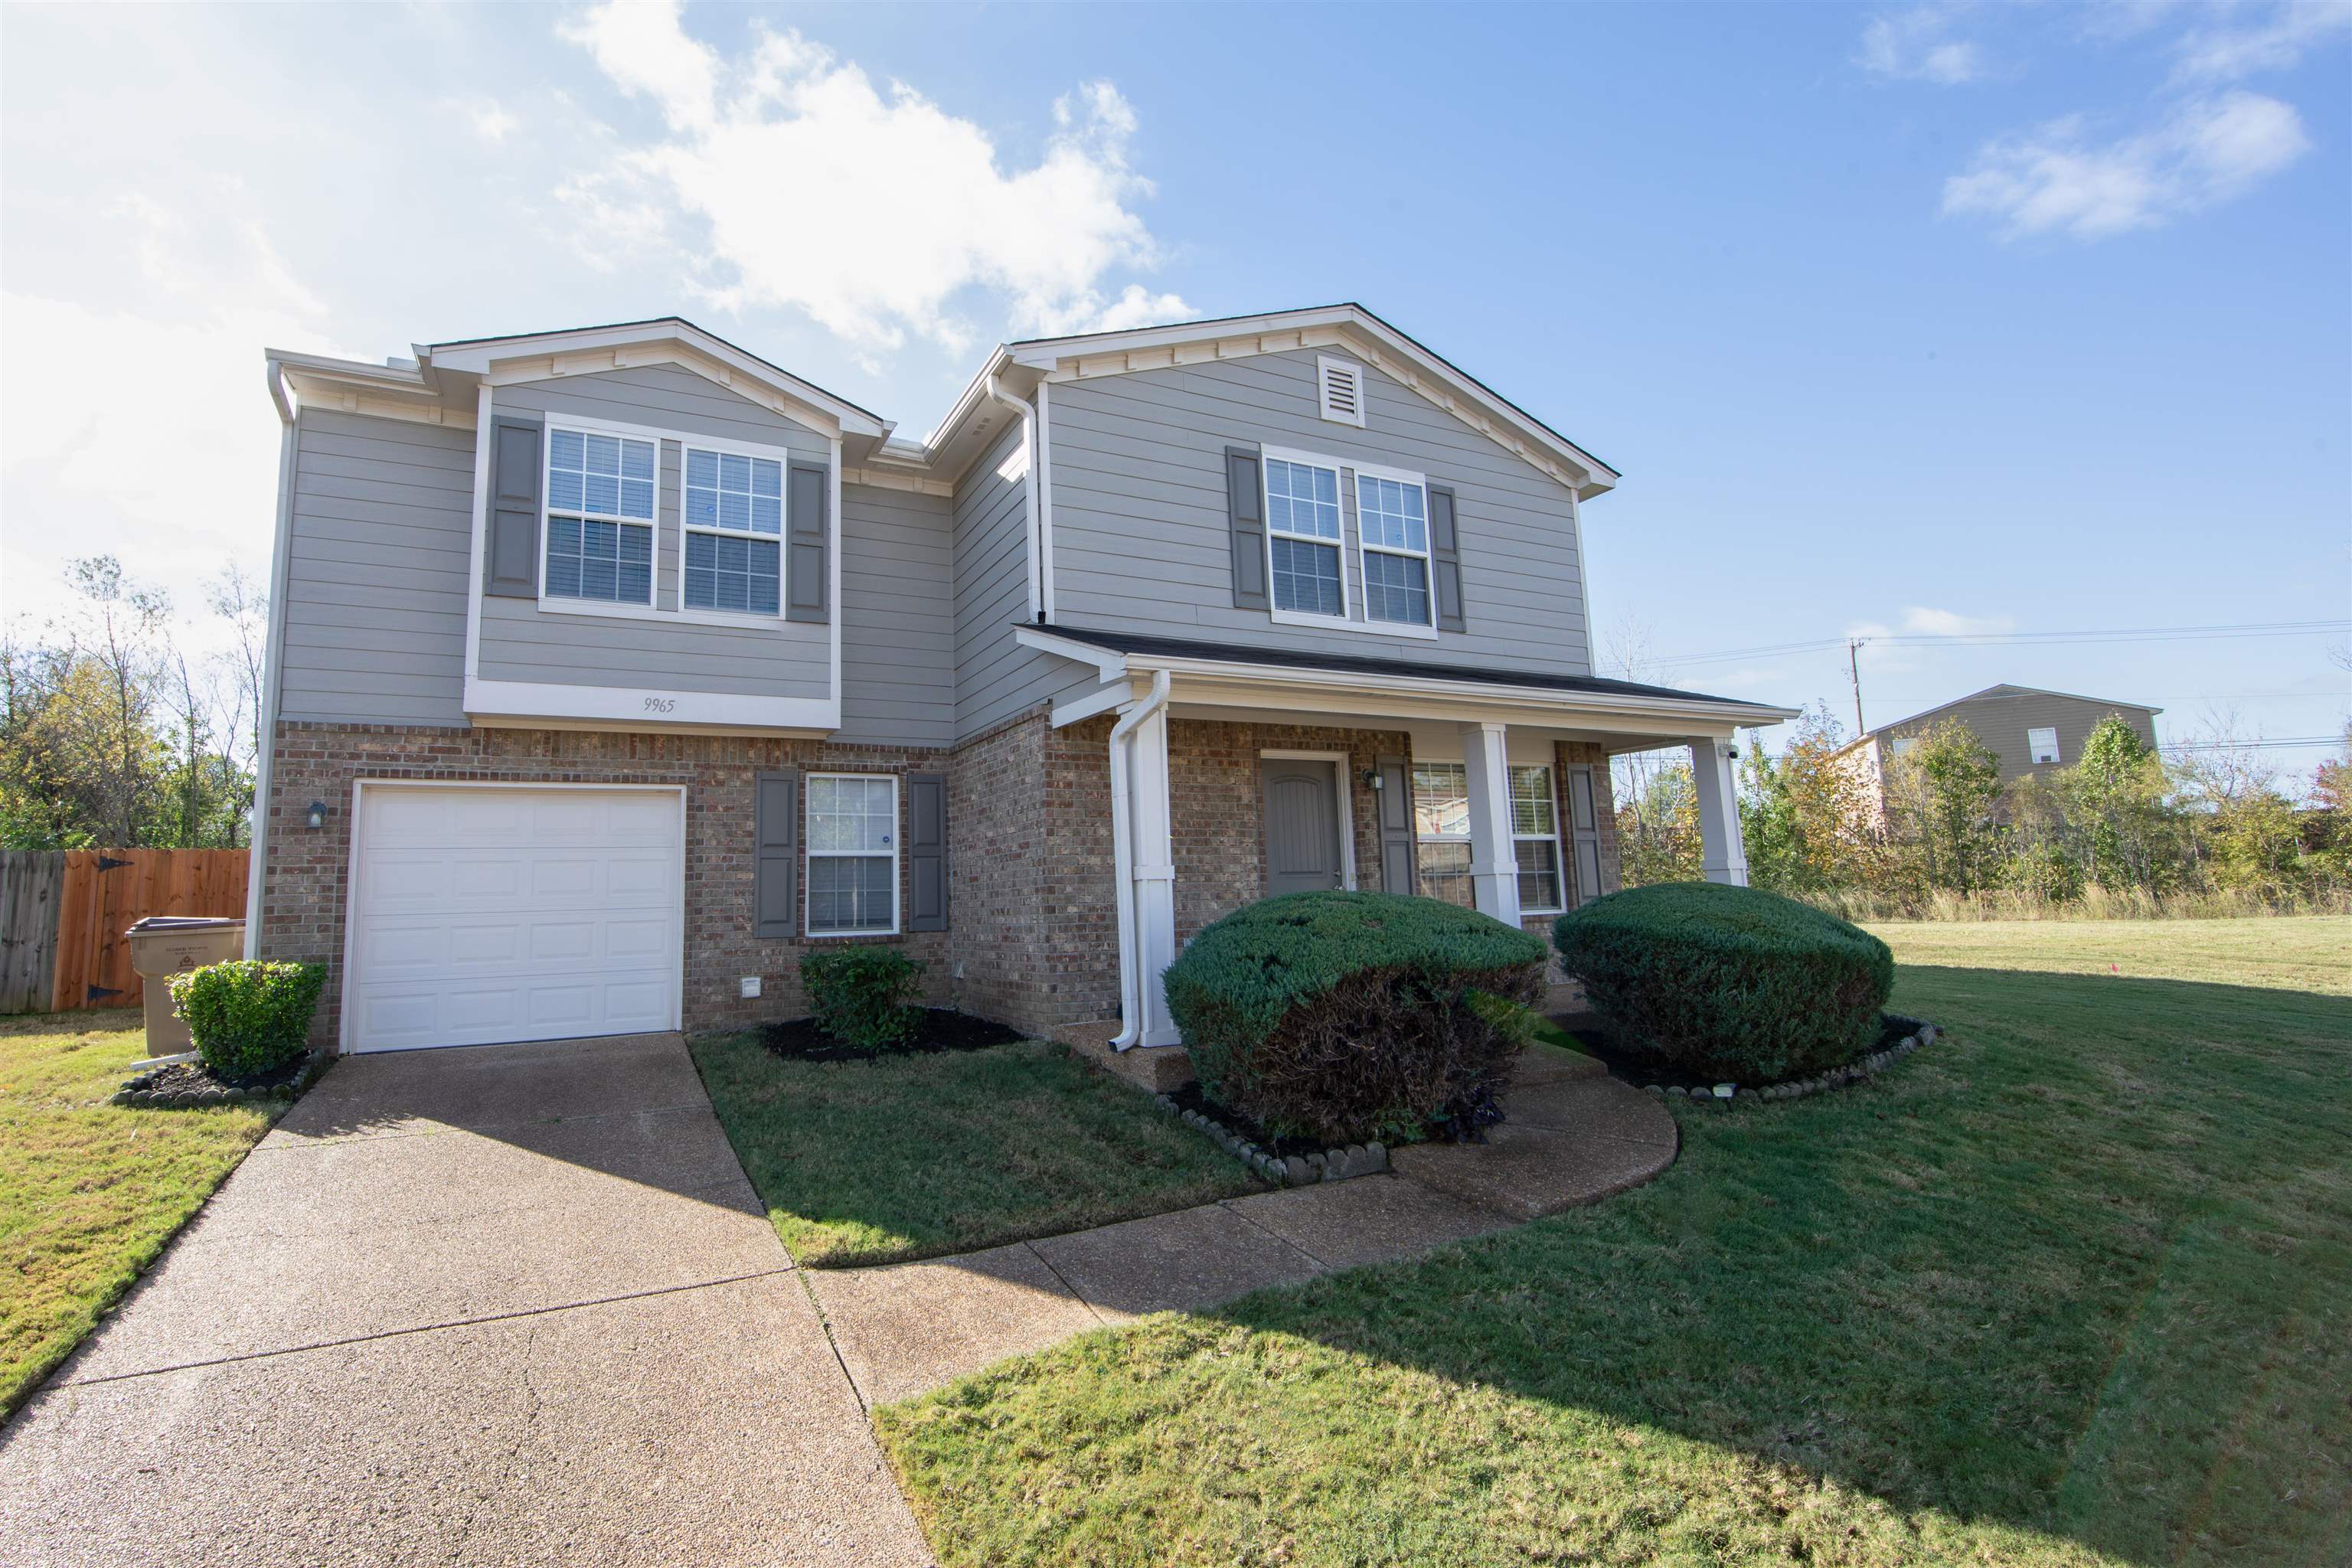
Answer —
(1297, 1169)
(1853, 1072)
(135, 1089)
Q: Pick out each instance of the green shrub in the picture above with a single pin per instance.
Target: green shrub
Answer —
(1349, 1016)
(1717, 981)
(863, 997)
(248, 1016)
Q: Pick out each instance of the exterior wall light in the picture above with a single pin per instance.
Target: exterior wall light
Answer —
(316, 817)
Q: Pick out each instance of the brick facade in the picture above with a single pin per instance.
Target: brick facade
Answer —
(1032, 939)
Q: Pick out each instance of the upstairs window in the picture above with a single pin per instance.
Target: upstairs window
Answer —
(734, 524)
(1393, 514)
(1302, 531)
(1902, 745)
(2042, 744)
(600, 517)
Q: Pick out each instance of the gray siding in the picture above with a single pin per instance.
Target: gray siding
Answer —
(996, 677)
(1140, 529)
(376, 572)
(521, 642)
(898, 628)
(2001, 718)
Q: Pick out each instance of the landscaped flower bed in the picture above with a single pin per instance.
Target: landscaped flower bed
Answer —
(935, 1029)
(191, 1082)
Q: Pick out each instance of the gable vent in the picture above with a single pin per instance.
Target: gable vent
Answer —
(1342, 388)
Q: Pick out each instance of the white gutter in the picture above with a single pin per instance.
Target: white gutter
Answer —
(272, 660)
(1028, 494)
(1044, 480)
(1130, 983)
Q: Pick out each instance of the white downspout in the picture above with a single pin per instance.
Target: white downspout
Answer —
(1028, 494)
(1130, 986)
(273, 655)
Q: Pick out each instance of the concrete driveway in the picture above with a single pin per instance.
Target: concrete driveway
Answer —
(506, 1304)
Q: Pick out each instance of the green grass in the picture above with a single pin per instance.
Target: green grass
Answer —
(89, 1192)
(917, 1156)
(2075, 1285)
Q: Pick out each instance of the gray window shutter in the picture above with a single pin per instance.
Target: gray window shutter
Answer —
(1444, 559)
(1246, 509)
(927, 851)
(1396, 825)
(804, 564)
(511, 561)
(776, 853)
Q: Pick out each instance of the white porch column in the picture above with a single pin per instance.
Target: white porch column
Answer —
(1155, 875)
(1493, 864)
(1722, 856)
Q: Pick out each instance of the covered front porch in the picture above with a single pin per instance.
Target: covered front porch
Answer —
(1236, 774)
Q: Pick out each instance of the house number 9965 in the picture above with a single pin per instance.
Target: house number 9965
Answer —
(660, 704)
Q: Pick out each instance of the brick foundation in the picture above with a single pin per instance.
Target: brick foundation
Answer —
(1032, 939)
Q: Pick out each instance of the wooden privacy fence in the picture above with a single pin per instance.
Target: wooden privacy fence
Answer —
(63, 913)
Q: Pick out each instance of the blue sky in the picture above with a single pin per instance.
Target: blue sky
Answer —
(2028, 319)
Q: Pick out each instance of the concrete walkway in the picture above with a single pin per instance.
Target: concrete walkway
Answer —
(1574, 1137)
(508, 1305)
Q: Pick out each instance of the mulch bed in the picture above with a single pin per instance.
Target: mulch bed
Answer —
(1595, 1040)
(194, 1083)
(941, 1029)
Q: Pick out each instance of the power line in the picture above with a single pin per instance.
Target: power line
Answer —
(2260, 745)
(1996, 639)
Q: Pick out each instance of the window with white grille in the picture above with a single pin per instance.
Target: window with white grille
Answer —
(1340, 386)
(2043, 745)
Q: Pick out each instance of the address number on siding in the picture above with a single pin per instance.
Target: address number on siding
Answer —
(661, 704)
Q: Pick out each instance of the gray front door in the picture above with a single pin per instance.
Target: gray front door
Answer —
(1302, 826)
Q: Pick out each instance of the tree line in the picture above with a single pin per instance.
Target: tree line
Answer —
(113, 736)
(2124, 830)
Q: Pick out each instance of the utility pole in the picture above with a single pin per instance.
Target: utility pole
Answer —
(1854, 668)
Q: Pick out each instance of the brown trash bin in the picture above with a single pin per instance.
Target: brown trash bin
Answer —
(162, 946)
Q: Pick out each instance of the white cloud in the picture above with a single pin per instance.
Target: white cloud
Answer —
(177, 363)
(490, 122)
(1915, 45)
(2274, 43)
(793, 179)
(2057, 177)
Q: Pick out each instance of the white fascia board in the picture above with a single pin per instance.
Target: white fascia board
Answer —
(643, 708)
(1046, 355)
(1256, 679)
(477, 355)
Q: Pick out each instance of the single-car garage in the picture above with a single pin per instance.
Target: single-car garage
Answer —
(483, 913)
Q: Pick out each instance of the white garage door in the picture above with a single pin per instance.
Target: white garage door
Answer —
(483, 915)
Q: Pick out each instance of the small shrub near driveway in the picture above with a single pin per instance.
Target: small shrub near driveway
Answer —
(1720, 981)
(863, 997)
(248, 1017)
(1353, 1017)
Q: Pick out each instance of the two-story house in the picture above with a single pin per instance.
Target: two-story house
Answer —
(613, 670)
(2033, 732)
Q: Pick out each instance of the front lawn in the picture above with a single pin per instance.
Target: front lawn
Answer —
(89, 1192)
(2074, 1285)
(875, 1162)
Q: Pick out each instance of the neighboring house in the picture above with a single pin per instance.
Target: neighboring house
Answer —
(614, 669)
(2033, 732)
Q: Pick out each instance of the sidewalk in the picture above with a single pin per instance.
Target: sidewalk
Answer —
(905, 1329)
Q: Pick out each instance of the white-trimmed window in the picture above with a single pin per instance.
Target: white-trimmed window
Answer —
(1441, 831)
(1392, 525)
(600, 517)
(733, 554)
(1305, 563)
(1902, 745)
(853, 854)
(1534, 840)
(2042, 744)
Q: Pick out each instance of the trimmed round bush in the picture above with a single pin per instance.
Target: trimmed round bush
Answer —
(1354, 1016)
(1717, 981)
(248, 1016)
